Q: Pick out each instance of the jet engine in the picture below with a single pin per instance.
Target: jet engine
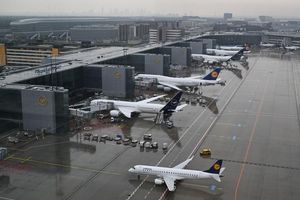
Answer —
(158, 181)
(160, 87)
(167, 89)
(115, 113)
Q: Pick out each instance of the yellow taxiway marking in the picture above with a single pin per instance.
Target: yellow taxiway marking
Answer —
(25, 160)
(9, 157)
(63, 166)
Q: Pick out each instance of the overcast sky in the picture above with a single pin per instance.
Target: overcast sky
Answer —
(214, 8)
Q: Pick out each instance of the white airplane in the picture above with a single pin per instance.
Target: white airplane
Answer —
(267, 45)
(175, 83)
(231, 48)
(170, 175)
(290, 48)
(127, 108)
(211, 59)
(236, 55)
(220, 52)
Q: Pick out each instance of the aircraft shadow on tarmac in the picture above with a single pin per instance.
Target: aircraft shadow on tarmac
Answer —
(172, 134)
(209, 102)
(237, 72)
(204, 191)
(212, 104)
(246, 66)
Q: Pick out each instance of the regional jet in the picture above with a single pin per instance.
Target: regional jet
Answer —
(175, 82)
(170, 175)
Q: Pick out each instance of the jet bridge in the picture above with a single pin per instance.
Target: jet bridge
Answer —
(85, 110)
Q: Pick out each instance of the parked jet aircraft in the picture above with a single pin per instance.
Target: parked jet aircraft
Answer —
(235, 55)
(127, 108)
(231, 48)
(290, 48)
(214, 59)
(267, 45)
(220, 52)
(171, 175)
(175, 83)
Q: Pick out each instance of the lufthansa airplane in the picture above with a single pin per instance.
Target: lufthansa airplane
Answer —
(175, 82)
(127, 107)
(170, 175)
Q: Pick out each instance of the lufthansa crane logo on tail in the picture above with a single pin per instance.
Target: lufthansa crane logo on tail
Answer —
(217, 166)
(174, 102)
(214, 74)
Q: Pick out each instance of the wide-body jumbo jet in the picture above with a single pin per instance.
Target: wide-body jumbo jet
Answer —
(127, 108)
(176, 82)
(211, 59)
(170, 175)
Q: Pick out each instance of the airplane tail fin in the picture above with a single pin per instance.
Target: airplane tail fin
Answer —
(172, 104)
(238, 55)
(213, 75)
(216, 168)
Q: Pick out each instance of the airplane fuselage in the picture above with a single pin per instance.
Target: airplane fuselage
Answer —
(219, 52)
(184, 82)
(231, 48)
(172, 172)
(139, 107)
(210, 58)
(292, 48)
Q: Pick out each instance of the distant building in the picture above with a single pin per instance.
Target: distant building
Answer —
(227, 16)
(124, 32)
(142, 31)
(265, 18)
(2, 55)
(163, 34)
(133, 32)
(29, 55)
(104, 33)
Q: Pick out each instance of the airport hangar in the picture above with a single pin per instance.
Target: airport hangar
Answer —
(48, 90)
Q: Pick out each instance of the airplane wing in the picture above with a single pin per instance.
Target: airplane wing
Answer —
(152, 99)
(196, 77)
(126, 111)
(170, 182)
(170, 85)
(183, 164)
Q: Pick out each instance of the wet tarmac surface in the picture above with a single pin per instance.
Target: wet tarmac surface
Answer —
(253, 125)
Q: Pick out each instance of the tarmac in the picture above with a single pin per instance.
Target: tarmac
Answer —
(253, 125)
